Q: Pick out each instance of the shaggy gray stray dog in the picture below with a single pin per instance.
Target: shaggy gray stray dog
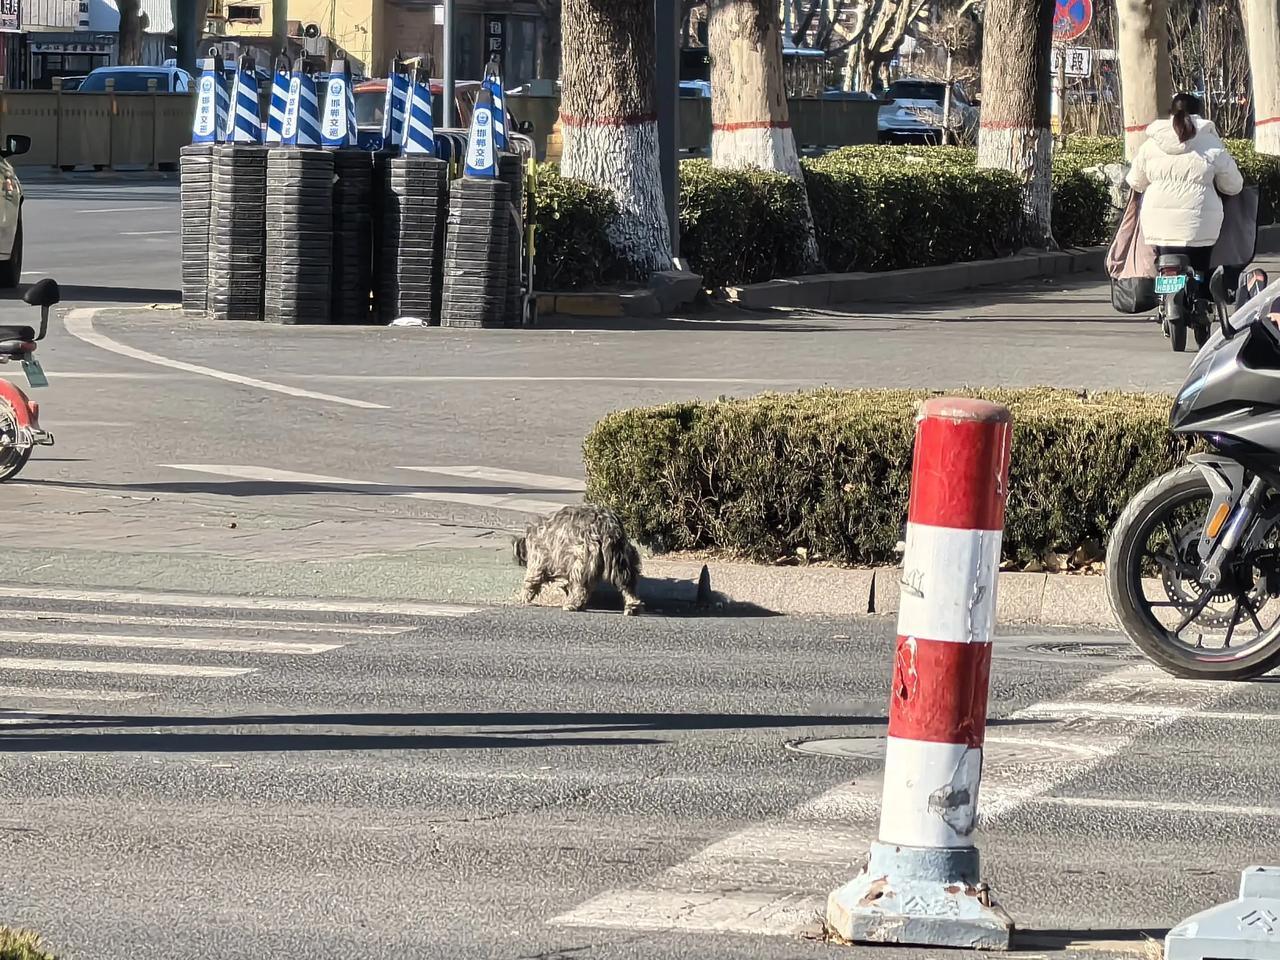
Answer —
(579, 546)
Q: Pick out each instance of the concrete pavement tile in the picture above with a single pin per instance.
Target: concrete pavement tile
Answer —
(1071, 600)
(1019, 597)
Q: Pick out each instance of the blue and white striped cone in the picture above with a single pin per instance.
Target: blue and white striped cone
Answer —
(482, 155)
(420, 130)
(393, 111)
(338, 125)
(244, 123)
(302, 110)
(280, 84)
(494, 82)
(211, 103)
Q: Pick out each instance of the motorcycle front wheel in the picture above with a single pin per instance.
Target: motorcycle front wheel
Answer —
(1153, 568)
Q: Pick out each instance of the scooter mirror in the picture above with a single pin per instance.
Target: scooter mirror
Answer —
(1218, 287)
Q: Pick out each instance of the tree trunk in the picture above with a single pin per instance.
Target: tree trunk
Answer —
(1146, 80)
(1014, 133)
(188, 26)
(1262, 25)
(609, 119)
(130, 32)
(750, 124)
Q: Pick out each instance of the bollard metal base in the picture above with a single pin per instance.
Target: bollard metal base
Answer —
(1247, 928)
(922, 897)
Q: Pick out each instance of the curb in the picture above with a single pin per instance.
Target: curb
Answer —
(1036, 598)
(45, 175)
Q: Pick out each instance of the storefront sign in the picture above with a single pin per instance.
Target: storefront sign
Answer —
(98, 49)
(11, 16)
(495, 36)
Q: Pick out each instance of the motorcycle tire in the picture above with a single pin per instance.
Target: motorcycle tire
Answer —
(12, 459)
(1178, 335)
(1124, 587)
(1202, 335)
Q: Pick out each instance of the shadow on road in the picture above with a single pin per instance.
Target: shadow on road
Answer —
(97, 734)
(294, 488)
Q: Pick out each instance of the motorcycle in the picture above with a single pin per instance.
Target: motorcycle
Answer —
(20, 431)
(1182, 306)
(1193, 564)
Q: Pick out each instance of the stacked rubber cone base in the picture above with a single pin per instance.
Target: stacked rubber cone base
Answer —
(476, 264)
(237, 238)
(511, 172)
(412, 242)
(196, 191)
(299, 235)
(353, 218)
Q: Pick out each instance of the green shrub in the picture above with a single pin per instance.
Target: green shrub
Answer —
(741, 226)
(1265, 172)
(572, 219)
(824, 475)
(21, 945)
(885, 208)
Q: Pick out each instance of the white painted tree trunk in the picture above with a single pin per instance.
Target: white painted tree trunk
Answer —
(609, 121)
(1014, 132)
(750, 121)
(1262, 25)
(1146, 78)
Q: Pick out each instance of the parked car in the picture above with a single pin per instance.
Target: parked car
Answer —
(136, 80)
(11, 211)
(71, 84)
(912, 111)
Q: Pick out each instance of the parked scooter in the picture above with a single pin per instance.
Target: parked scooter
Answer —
(20, 431)
(1183, 305)
(1193, 564)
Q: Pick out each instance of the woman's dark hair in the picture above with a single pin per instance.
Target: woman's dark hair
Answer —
(1183, 108)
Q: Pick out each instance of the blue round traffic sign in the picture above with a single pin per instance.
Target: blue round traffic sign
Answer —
(1071, 18)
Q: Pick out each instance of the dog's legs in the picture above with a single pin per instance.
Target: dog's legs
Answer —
(626, 577)
(578, 584)
(535, 578)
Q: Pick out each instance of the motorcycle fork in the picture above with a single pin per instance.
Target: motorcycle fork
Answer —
(1233, 526)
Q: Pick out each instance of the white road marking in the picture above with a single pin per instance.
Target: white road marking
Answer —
(61, 693)
(301, 626)
(507, 501)
(760, 881)
(512, 477)
(94, 375)
(79, 324)
(1161, 806)
(427, 378)
(149, 233)
(123, 210)
(134, 669)
(209, 644)
(291, 604)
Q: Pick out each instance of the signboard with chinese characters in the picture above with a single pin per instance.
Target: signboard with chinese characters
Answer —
(1073, 61)
(495, 37)
(10, 16)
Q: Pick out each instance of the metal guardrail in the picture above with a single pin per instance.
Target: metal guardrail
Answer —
(72, 131)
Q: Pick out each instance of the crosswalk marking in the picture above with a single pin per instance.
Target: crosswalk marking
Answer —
(210, 644)
(135, 669)
(201, 600)
(61, 693)
(301, 626)
(511, 502)
(515, 478)
(759, 881)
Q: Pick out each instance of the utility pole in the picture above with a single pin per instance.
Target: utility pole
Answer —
(450, 20)
(279, 28)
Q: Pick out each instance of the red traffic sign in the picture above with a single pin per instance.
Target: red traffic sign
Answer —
(1071, 18)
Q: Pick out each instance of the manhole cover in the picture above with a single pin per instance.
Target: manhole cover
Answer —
(1100, 649)
(847, 748)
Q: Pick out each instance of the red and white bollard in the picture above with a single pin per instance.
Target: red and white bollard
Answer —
(921, 883)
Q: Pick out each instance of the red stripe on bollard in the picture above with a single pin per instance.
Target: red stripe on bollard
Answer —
(940, 691)
(960, 473)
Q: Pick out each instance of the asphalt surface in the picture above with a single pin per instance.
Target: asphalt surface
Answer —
(492, 784)
(181, 779)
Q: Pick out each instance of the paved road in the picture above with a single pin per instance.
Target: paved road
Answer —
(407, 442)
(189, 782)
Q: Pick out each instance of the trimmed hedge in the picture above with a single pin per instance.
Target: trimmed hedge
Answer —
(741, 226)
(874, 208)
(824, 475)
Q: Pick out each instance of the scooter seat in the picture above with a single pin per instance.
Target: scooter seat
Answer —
(26, 334)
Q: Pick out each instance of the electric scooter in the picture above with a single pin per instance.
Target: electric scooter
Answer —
(20, 431)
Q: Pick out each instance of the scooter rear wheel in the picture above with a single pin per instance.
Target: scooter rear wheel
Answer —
(1202, 335)
(1178, 335)
(12, 457)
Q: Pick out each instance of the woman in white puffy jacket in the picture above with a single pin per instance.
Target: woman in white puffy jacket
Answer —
(1181, 170)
